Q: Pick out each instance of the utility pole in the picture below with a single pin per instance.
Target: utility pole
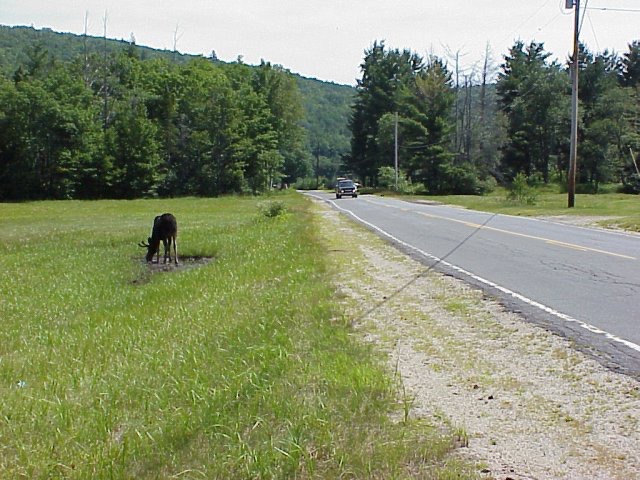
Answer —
(573, 152)
(395, 151)
(317, 152)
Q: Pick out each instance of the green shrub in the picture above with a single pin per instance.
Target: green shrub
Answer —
(387, 180)
(458, 180)
(631, 185)
(272, 208)
(521, 192)
(487, 185)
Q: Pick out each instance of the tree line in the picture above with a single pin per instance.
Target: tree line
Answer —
(108, 124)
(459, 133)
(107, 119)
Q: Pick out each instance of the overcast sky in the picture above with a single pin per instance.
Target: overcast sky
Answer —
(326, 39)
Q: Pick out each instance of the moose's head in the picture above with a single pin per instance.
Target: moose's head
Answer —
(151, 246)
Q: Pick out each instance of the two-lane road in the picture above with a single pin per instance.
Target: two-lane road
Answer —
(581, 282)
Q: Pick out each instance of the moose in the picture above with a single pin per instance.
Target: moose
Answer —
(165, 229)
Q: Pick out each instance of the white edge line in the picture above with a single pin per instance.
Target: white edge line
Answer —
(522, 298)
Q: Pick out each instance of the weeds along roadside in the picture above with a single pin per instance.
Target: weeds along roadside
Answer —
(616, 210)
(230, 370)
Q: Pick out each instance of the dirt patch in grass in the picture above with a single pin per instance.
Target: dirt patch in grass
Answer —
(185, 263)
(528, 405)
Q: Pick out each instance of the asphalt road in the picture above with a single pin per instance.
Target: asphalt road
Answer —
(582, 283)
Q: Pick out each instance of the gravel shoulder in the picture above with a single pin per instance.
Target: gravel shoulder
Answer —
(531, 406)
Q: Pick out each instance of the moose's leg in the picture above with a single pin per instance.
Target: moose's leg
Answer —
(167, 251)
(175, 250)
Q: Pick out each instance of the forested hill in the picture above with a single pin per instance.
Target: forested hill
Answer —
(16, 44)
(327, 107)
(323, 115)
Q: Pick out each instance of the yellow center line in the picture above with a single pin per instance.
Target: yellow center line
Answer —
(532, 237)
(576, 247)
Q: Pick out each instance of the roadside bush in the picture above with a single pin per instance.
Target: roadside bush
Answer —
(459, 180)
(609, 188)
(631, 184)
(273, 208)
(535, 180)
(487, 185)
(521, 192)
(387, 180)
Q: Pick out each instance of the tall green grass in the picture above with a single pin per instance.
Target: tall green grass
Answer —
(230, 370)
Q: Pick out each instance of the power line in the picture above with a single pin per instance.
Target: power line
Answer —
(593, 30)
(526, 20)
(615, 9)
(584, 14)
(540, 29)
(429, 268)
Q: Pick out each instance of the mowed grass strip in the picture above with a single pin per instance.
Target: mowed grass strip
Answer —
(624, 209)
(233, 369)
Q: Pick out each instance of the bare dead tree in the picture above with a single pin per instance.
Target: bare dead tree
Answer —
(85, 51)
(105, 75)
(458, 108)
(489, 70)
(176, 38)
(467, 118)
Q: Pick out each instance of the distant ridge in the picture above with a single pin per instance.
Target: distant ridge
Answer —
(327, 104)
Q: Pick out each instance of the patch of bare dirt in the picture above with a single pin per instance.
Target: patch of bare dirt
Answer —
(532, 407)
(184, 263)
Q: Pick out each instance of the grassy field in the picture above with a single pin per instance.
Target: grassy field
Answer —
(234, 369)
(624, 210)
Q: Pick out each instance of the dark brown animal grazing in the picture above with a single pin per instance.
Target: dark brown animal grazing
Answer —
(165, 230)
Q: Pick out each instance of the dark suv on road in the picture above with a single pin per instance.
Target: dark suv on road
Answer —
(346, 187)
